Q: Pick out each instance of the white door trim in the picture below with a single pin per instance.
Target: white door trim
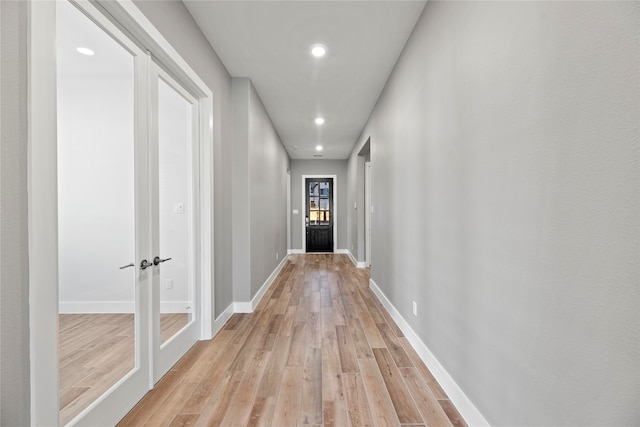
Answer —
(367, 213)
(43, 213)
(334, 209)
(288, 210)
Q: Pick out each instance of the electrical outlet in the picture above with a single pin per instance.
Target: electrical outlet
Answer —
(168, 284)
(277, 256)
(415, 309)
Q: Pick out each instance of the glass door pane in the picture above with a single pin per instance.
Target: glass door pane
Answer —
(175, 210)
(98, 216)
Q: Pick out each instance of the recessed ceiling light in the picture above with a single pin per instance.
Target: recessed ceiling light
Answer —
(319, 121)
(318, 147)
(318, 50)
(85, 51)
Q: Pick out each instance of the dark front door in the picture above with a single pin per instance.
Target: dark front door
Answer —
(319, 219)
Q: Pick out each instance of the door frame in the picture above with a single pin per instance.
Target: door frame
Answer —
(42, 185)
(288, 210)
(367, 213)
(334, 209)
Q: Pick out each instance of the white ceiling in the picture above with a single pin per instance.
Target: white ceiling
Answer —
(270, 42)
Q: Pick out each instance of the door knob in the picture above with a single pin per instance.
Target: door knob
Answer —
(127, 266)
(157, 260)
(145, 264)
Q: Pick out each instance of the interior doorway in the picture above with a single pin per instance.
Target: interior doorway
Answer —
(319, 214)
(364, 201)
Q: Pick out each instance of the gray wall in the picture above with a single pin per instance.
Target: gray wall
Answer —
(319, 167)
(504, 151)
(268, 163)
(241, 221)
(260, 165)
(175, 23)
(14, 275)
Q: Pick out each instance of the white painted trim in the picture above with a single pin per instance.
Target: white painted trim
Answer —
(243, 307)
(99, 307)
(367, 212)
(93, 307)
(333, 212)
(176, 307)
(141, 29)
(463, 404)
(207, 266)
(249, 306)
(222, 319)
(288, 210)
(42, 213)
(295, 251)
(356, 263)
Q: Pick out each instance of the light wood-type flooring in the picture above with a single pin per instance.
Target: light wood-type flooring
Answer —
(319, 350)
(95, 351)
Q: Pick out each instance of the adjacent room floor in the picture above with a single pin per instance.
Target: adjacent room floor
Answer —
(95, 351)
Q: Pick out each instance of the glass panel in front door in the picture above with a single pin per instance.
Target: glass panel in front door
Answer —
(96, 211)
(324, 216)
(175, 210)
(319, 203)
(314, 202)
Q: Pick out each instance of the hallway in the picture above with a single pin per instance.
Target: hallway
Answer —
(319, 350)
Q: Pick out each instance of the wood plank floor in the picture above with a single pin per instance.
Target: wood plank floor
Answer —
(319, 350)
(95, 351)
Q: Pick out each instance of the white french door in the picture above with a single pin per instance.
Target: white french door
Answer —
(115, 216)
(174, 160)
(104, 239)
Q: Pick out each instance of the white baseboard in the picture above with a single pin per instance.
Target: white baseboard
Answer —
(176, 307)
(249, 306)
(101, 307)
(295, 251)
(358, 264)
(222, 319)
(95, 307)
(243, 307)
(463, 404)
